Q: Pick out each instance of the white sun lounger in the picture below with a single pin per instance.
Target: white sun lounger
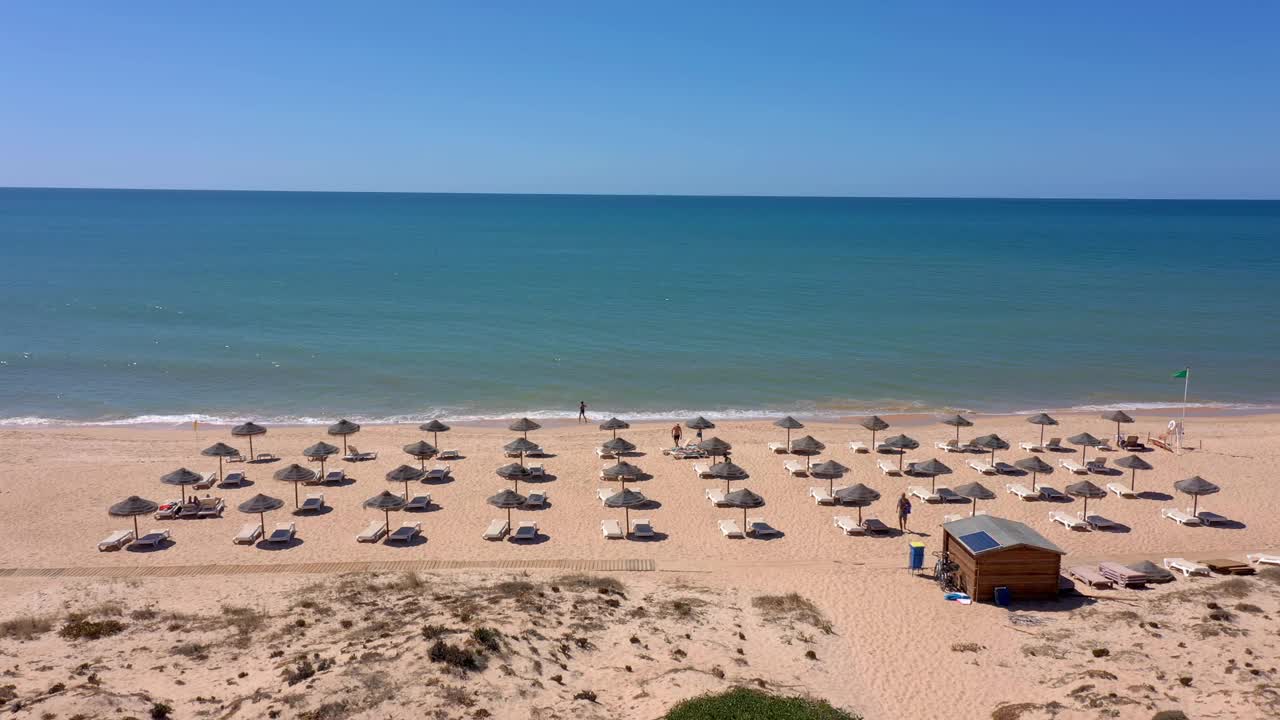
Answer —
(1071, 523)
(313, 503)
(336, 476)
(1123, 491)
(168, 510)
(1098, 522)
(611, 529)
(235, 479)
(716, 496)
(859, 447)
(497, 530)
(283, 533)
(153, 538)
(406, 532)
(354, 455)
(982, 467)
(526, 530)
(1098, 466)
(1031, 446)
(1210, 518)
(1051, 493)
(848, 525)
(1090, 576)
(949, 446)
(1263, 559)
(701, 470)
(642, 528)
(449, 455)
(759, 528)
(1022, 491)
(372, 532)
(1053, 444)
(439, 472)
(207, 480)
(729, 528)
(116, 540)
(603, 494)
(536, 500)
(1179, 517)
(888, 468)
(419, 502)
(1004, 468)
(821, 496)
(795, 468)
(248, 534)
(873, 526)
(537, 471)
(1186, 567)
(1074, 466)
(604, 454)
(210, 508)
(780, 448)
(923, 493)
(265, 457)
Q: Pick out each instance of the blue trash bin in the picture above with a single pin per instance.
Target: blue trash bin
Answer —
(915, 558)
(1002, 596)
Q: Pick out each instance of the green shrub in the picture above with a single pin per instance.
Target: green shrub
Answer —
(745, 704)
(79, 627)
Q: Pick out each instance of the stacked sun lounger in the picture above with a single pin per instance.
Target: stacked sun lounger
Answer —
(1224, 566)
(1154, 572)
(1090, 576)
(1123, 575)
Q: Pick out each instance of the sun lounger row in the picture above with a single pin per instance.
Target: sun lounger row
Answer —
(498, 529)
(868, 526)
(194, 508)
(640, 527)
(756, 527)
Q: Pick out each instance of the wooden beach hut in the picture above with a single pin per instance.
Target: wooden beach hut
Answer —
(994, 552)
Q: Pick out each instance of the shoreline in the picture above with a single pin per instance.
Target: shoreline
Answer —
(560, 419)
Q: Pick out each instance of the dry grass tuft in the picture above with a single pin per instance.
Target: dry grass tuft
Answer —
(25, 627)
(791, 607)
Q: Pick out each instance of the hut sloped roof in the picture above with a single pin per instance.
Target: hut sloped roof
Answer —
(1003, 533)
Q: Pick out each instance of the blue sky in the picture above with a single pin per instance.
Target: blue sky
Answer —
(1018, 99)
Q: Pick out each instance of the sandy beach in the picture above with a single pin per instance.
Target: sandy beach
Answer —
(894, 647)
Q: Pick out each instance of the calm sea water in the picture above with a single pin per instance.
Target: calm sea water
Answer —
(153, 305)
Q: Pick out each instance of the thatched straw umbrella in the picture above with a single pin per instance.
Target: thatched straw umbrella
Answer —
(405, 474)
(902, 444)
(807, 447)
(435, 427)
(344, 428)
(508, 499)
(422, 450)
(789, 423)
(957, 422)
(514, 473)
(248, 430)
(133, 506)
(614, 425)
(1133, 463)
(220, 451)
(386, 501)
(320, 451)
(1085, 489)
(744, 499)
(1117, 417)
(727, 471)
(858, 495)
(295, 474)
(260, 505)
(1085, 441)
(715, 447)
(700, 423)
(931, 469)
(182, 477)
(874, 424)
(1035, 466)
(524, 425)
(626, 499)
(831, 470)
(1043, 421)
(975, 491)
(523, 446)
(993, 443)
(1195, 487)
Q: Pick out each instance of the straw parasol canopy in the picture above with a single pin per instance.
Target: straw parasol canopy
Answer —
(524, 425)
(715, 446)
(220, 451)
(700, 423)
(344, 428)
(902, 444)
(386, 501)
(829, 470)
(993, 443)
(1085, 441)
(621, 471)
(1195, 487)
(320, 451)
(617, 445)
(508, 499)
(727, 471)
(295, 474)
(422, 450)
(1085, 489)
(1035, 466)
(807, 447)
(435, 427)
(522, 446)
(1117, 417)
(133, 506)
(626, 499)
(1133, 463)
(261, 505)
(789, 423)
(874, 424)
(931, 468)
(744, 499)
(405, 474)
(514, 472)
(182, 477)
(975, 491)
(1042, 420)
(614, 425)
(858, 495)
(957, 422)
(248, 430)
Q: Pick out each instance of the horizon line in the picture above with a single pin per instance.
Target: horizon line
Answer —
(647, 195)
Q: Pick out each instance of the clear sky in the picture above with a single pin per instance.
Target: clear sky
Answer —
(1105, 99)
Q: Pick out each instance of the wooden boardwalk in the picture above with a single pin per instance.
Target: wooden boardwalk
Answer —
(329, 568)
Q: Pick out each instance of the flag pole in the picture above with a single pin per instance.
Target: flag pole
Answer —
(1186, 385)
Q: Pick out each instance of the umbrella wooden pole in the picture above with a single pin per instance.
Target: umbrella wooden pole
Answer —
(262, 523)
(901, 456)
(406, 490)
(1033, 482)
(135, 527)
(975, 509)
(1133, 479)
(220, 465)
(1042, 436)
(296, 504)
(386, 514)
(250, 451)
(873, 441)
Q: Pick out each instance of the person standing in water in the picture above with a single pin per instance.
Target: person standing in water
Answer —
(582, 411)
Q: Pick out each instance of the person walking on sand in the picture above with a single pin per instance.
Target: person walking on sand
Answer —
(675, 434)
(582, 411)
(904, 510)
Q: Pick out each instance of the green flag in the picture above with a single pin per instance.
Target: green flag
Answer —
(1180, 374)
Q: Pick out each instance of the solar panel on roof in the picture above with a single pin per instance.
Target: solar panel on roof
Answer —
(979, 541)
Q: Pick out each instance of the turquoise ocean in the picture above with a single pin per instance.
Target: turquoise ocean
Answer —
(162, 306)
